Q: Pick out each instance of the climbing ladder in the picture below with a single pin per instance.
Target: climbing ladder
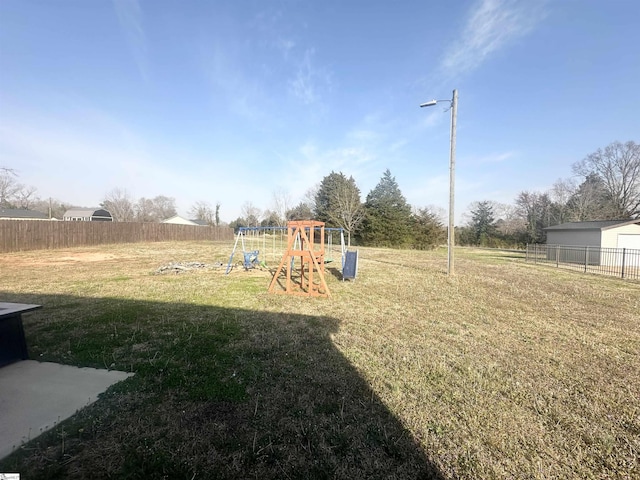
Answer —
(303, 250)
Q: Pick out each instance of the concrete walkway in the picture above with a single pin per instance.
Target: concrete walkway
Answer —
(36, 396)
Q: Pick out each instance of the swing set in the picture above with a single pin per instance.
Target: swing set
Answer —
(262, 244)
(252, 240)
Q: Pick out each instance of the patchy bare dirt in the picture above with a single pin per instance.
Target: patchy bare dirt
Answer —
(59, 258)
(87, 257)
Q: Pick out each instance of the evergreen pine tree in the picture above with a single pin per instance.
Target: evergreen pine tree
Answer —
(428, 230)
(387, 221)
(483, 223)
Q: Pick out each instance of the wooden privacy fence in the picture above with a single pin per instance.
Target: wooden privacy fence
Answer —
(20, 235)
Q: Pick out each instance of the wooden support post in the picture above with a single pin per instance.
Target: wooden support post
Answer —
(311, 257)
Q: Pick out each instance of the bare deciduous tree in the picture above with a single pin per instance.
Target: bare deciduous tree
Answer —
(251, 214)
(561, 193)
(144, 210)
(51, 207)
(310, 195)
(618, 166)
(338, 203)
(591, 201)
(202, 210)
(535, 210)
(164, 207)
(119, 203)
(155, 209)
(280, 207)
(510, 222)
(14, 194)
(439, 213)
(25, 197)
(8, 187)
(349, 211)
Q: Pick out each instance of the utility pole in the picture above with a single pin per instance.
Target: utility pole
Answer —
(451, 236)
(452, 184)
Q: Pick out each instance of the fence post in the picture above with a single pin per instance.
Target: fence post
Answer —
(586, 258)
(604, 260)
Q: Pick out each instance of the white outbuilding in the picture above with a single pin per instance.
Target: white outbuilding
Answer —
(606, 242)
(601, 234)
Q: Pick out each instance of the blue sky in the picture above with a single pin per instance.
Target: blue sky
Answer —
(231, 101)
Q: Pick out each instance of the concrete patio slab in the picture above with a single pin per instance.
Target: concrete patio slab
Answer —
(36, 396)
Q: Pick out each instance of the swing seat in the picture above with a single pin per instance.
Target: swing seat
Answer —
(251, 259)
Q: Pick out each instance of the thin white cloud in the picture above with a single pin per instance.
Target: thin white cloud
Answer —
(491, 26)
(363, 135)
(285, 46)
(129, 15)
(243, 95)
(398, 145)
(424, 189)
(492, 158)
(431, 119)
(310, 81)
(433, 190)
(311, 163)
(377, 131)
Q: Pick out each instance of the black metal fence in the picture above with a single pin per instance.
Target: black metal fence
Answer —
(619, 262)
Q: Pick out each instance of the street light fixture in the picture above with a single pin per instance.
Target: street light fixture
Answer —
(452, 176)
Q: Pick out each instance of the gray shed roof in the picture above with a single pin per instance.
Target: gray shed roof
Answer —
(21, 213)
(596, 225)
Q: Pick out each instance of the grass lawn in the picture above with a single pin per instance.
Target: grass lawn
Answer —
(507, 370)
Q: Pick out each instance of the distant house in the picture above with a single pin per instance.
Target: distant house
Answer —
(199, 222)
(21, 214)
(87, 215)
(605, 234)
(178, 220)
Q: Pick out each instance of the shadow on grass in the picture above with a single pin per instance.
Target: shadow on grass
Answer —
(218, 393)
(509, 258)
(335, 271)
(295, 277)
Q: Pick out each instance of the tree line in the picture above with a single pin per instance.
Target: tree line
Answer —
(14, 194)
(384, 219)
(122, 206)
(605, 185)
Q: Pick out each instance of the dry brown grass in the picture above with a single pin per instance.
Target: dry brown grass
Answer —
(507, 370)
